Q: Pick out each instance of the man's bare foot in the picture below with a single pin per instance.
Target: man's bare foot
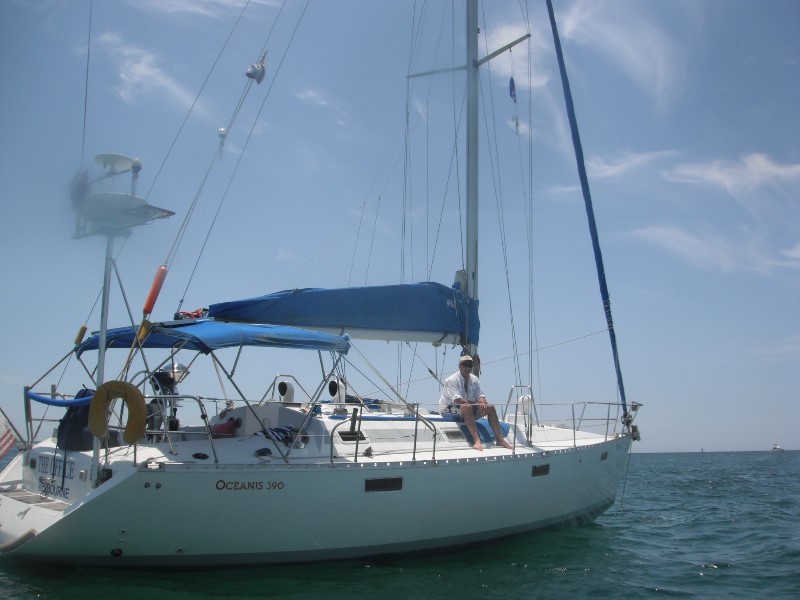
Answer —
(504, 443)
(478, 446)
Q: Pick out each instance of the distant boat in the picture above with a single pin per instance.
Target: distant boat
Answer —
(776, 448)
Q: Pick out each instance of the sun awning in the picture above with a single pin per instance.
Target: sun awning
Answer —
(208, 335)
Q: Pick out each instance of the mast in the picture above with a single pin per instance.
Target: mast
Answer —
(472, 152)
(472, 67)
(473, 79)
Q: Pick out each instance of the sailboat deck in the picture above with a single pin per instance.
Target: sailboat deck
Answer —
(33, 498)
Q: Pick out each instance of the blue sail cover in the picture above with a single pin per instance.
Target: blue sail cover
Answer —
(417, 312)
(205, 336)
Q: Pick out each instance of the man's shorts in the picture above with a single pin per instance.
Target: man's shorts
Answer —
(453, 411)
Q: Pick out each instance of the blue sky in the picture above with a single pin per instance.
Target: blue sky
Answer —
(688, 116)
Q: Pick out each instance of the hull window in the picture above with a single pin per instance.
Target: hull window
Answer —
(385, 484)
(539, 470)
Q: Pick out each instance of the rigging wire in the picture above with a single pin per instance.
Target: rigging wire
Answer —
(429, 253)
(512, 357)
(533, 334)
(587, 200)
(625, 479)
(246, 143)
(358, 235)
(86, 83)
(494, 163)
(338, 234)
(453, 162)
(372, 241)
(527, 201)
(196, 98)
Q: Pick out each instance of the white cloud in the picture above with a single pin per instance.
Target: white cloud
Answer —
(206, 8)
(792, 253)
(517, 64)
(769, 191)
(520, 127)
(316, 98)
(420, 109)
(630, 39)
(140, 74)
(708, 251)
(750, 172)
(781, 349)
(604, 168)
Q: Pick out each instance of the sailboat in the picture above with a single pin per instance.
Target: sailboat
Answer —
(308, 468)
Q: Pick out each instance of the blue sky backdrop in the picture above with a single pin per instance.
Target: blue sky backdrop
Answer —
(689, 121)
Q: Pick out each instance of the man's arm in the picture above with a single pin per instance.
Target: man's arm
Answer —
(451, 391)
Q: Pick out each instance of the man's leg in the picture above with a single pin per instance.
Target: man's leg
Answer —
(494, 421)
(469, 421)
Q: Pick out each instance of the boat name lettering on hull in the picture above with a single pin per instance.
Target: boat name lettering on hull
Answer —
(249, 485)
(50, 488)
(49, 465)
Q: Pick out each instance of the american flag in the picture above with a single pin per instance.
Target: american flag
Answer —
(7, 438)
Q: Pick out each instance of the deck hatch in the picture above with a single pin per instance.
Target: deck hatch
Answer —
(351, 436)
(454, 436)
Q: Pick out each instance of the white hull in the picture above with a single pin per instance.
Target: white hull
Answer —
(194, 512)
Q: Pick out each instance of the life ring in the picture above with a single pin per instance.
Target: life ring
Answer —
(131, 396)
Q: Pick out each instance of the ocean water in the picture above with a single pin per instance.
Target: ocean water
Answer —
(690, 525)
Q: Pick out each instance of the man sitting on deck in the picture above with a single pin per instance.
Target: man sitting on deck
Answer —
(462, 398)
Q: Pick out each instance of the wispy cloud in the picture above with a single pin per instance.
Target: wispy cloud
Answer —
(742, 177)
(206, 8)
(420, 109)
(317, 98)
(630, 38)
(706, 251)
(601, 167)
(517, 65)
(792, 253)
(764, 238)
(520, 127)
(769, 191)
(605, 168)
(140, 74)
(781, 349)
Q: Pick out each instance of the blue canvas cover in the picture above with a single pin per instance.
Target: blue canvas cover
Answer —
(426, 311)
(206, 335)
